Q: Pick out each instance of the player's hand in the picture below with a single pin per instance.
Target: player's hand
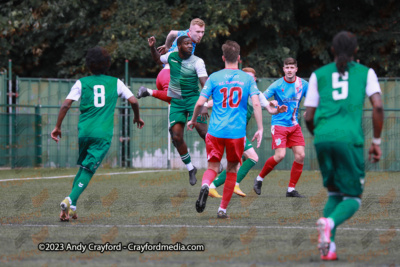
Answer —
(162, 49)
(139, 122)
(273, 103)
(282, 109)
(152, 41)
(55, 134)
(258, 135)
(375, 153)
(204, 113)
(304, 114)
(191, 125)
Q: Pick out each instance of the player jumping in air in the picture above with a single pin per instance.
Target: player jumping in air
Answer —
(99, 94)
(285, 128)
(230, 89)
(186, 71)
(334, 116)
(195, 33)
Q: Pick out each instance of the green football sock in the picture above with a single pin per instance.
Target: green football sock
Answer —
(244, 169)
(77, 176)
(333, 200)
(344, 211)
(80, 185)
(186, 158)
(220, 180)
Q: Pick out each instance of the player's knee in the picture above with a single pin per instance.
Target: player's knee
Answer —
(177, 139)
(299, 157)
(279, 156)
(254, 157)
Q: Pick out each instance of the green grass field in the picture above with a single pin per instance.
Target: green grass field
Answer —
(265, 230)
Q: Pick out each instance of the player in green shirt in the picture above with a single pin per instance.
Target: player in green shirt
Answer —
(99, 94)
(186, 70)
(334, 112)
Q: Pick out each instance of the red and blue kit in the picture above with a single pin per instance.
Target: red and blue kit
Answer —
(285, 128)
(230, 90)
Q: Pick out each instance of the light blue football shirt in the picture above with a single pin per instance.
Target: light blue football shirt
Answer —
(289, 94)
(230, 90)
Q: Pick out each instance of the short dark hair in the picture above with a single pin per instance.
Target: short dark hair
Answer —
(290, 61)
(231, 51)
(181, 38)
(98, 60)
(344, 45)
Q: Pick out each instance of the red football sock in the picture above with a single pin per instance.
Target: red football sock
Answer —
(295, 174)
(162, 95)
(268, 167)
(228, 189)
(208, 177)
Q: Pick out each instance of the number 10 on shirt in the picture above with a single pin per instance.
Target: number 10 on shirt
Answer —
(229, 96)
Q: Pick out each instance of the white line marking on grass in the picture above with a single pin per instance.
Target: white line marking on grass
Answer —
(190, 226)
(68, 176)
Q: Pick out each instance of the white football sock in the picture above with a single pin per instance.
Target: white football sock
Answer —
(189, 166)
(290, 189)
(259, 178)
(150, 91)
(332, 247)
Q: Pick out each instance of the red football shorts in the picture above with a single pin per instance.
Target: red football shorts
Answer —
(162, 80)
(215, 148)
(283, 137)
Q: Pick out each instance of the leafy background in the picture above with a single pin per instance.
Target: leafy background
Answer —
(50, 38)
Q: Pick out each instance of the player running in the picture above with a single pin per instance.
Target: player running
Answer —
(230, 89)
(250, 156)
(186, 71)
(195, 33)
(334, 116)
(285, 128)
(99, 94)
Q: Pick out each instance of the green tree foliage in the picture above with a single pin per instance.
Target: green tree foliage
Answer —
(50, 38)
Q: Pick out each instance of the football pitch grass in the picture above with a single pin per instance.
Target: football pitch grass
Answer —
(159, 206)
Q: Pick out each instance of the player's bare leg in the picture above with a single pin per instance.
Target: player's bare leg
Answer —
(202, 129)
(177, 132)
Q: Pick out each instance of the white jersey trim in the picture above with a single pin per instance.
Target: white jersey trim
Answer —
(372, 83)
(123, 91)
(76, 91)
(312, 97)
(164, 58)
(200, 68)
(263, 100)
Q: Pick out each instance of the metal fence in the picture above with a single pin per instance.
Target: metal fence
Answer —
(25, 133)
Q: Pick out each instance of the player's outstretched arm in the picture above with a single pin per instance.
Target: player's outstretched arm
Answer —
(56, 133)
(135, 107)
(154, 53)
(258, 115)
(168, 42)
(197, 108)
(375, 152)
